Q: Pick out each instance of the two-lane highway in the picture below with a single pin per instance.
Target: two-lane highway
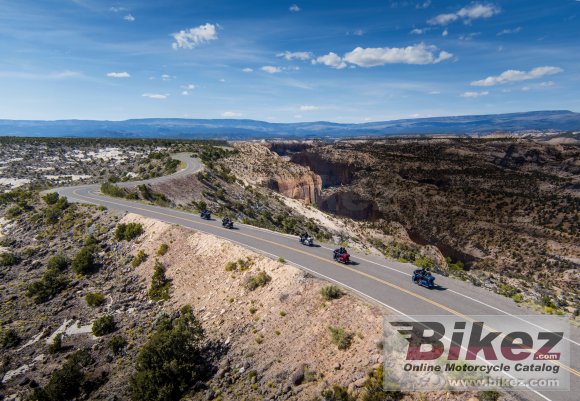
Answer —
(386, 283)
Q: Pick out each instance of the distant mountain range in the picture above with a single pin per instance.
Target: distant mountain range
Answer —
(559, 120)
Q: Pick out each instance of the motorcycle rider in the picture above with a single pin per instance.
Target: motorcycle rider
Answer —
(340, 251)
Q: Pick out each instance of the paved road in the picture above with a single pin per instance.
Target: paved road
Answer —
(386, 283)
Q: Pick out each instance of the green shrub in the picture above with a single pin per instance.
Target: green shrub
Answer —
(336, 393)
(66, 383)
(281, 260)
(331, 292)
(52, 283)
(231, 266)
(376, 388)
(9, 338)
(95, 299)
(139, 258)
(58, 262)
(160, 284)
(50, 198)
(111, 189)
(84, 261)
(104, 325)
(340, 337)
(90, 240)
(56, 344)
(128, 232)
(163, 248)
(8, 259)
(518, 298)
(489, 395)
(171, 362)
(117, 344)
(13, 212)
(258, 280)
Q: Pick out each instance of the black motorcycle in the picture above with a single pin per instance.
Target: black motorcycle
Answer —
(205, 214)
(227, 223)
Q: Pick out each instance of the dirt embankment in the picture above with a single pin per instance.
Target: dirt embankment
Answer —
(280, 331)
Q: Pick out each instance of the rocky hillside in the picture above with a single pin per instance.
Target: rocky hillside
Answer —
(266, 168)
(506, 207)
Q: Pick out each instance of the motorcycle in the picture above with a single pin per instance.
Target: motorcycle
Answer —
(341, 257)
(423, 278)
(306, 241)
(205, 214)
(227, 223)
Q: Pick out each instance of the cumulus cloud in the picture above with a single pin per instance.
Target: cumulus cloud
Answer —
(474, 94)
(309, 108)
(229, 114)
(332, 60)
(270, 69)
(129, 18)
(516, 76)
(157, 96)
(466, 14)
(295, 55)
(119, 75)
(416, 54)
(190, 38)
(294, 8)
(248, 70)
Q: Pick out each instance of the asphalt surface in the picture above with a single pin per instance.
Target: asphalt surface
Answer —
(383, 282)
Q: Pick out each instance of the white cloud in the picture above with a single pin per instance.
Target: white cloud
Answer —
(434, 93)
(188, 87)
(117, 9)
(419, 31)
(516, 75)
(474, 94)
(467, 14)
(476, 11)
(357, 32)
(271, 69)
(425, 4)
(158, 96)
(510, 31)
(309, 108)
(294, 8)
(417, 54)
(129, 18)
(443, 19)
(119, 75)
(190, 38)
(295, 55)
(332, 60)
(445, 32)
(166, 77)
(230, 114)
(248, 70)
(469, 36)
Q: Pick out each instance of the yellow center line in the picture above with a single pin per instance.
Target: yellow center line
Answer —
(367, 275)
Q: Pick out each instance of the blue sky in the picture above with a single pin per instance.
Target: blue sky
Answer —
(284, 61)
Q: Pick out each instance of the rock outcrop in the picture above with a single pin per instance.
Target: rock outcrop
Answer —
(258, 165)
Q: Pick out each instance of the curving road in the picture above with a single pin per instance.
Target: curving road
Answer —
(386, 283)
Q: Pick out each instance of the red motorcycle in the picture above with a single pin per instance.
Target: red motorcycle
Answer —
(341, 256)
